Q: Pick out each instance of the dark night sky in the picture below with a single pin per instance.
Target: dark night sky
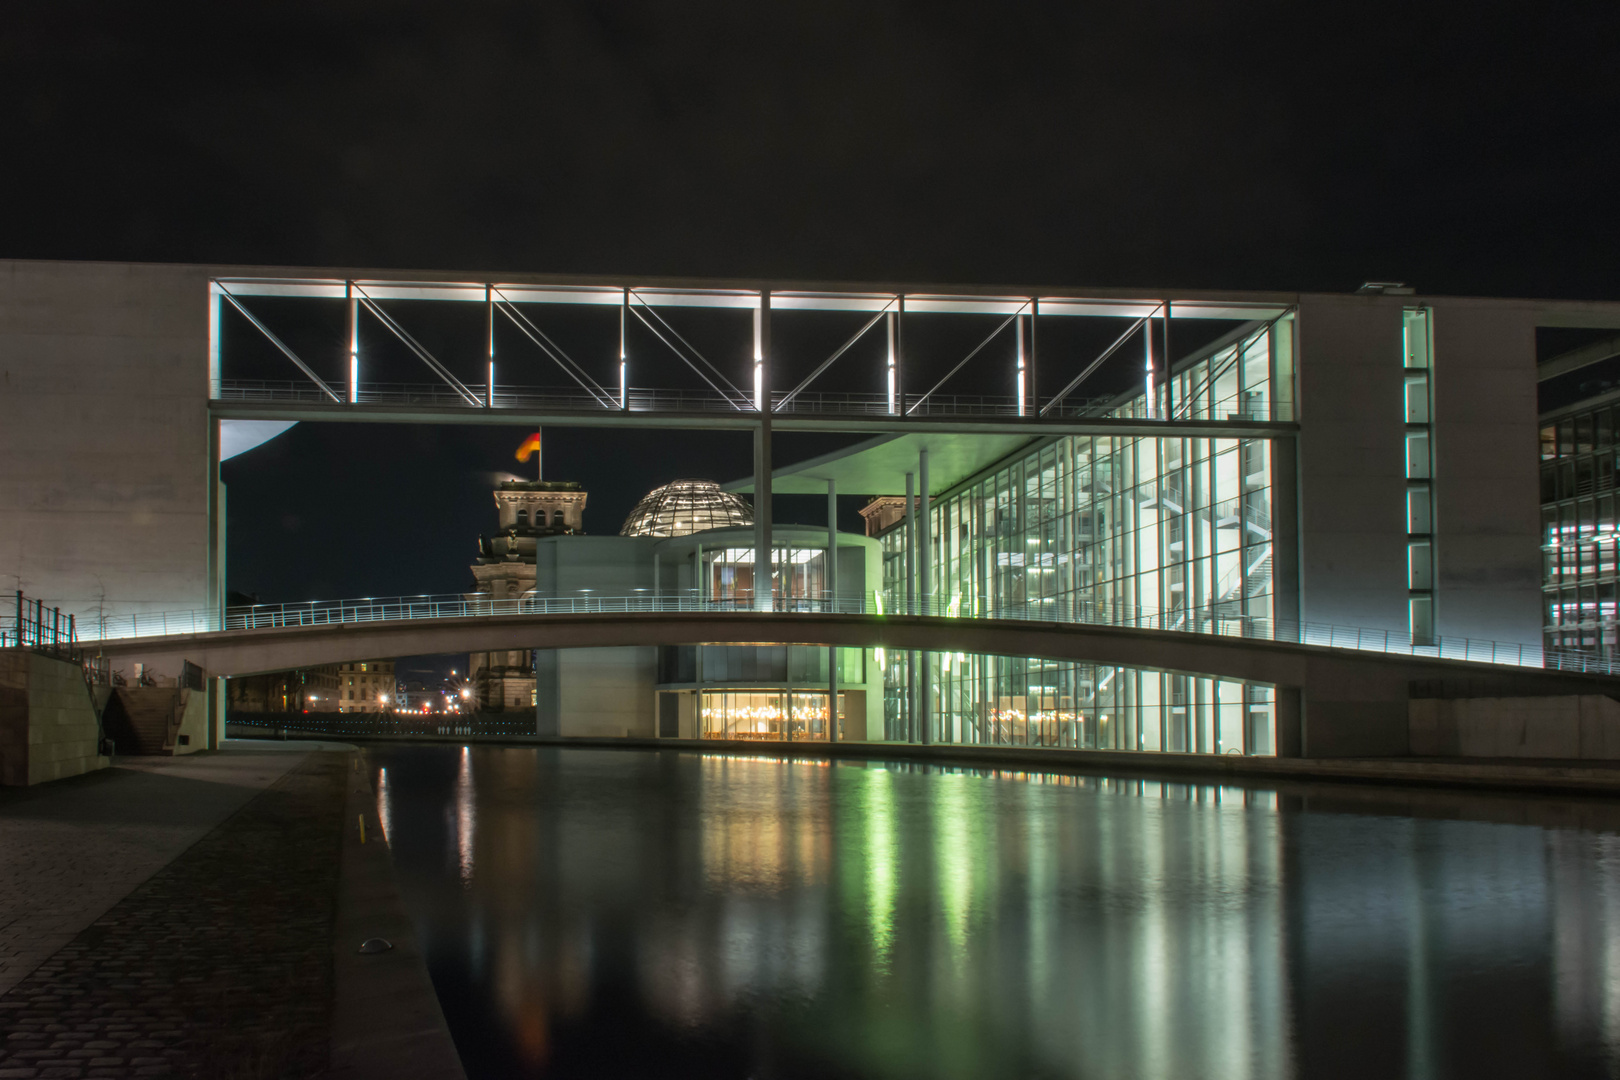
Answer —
(1465, 148)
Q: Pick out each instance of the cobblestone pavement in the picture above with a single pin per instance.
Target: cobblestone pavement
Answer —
(219, 965)
(71, 849)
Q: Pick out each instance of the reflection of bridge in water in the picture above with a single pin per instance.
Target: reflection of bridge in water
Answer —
(1349, 682)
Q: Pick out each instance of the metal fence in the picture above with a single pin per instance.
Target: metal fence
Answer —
(36, 626)
(1216, 621)
(569, 399)
(32, 625)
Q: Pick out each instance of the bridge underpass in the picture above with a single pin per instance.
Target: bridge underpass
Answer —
(1331, 702)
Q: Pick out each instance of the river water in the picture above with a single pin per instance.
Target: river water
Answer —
(606, 913)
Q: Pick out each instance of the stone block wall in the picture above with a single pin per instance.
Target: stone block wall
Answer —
(13, 717)
(48, 726)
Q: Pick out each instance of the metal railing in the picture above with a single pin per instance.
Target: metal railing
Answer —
(39, 627)
(566, 399)
(32, 625)
(1218, 621)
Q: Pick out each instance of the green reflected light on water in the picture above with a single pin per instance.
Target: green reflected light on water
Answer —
(602, 913)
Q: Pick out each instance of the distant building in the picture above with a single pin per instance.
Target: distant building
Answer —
(687, 538)
(415, 697)
(883, 512)
(505, 570)
(306, 690)
(368, 686)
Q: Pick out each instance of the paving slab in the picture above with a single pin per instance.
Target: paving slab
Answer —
(70, 850)
(219, 964)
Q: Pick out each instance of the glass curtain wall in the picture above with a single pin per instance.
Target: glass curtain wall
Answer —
(1026, 701)
(1165, 532)
(1580, 456)
(767, 715)
(798, 574)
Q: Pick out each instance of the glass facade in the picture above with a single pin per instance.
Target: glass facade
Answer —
(1017, 701)
(1175, 532)
(1579, 457)
(769, 715)
(799, 573)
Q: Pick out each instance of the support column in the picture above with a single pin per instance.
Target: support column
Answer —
(1169, 372)
(892, 372)
(489, 387)
(925, 574)
(832, 545)
(624, 354)
(354, 342)
(911, 545)
(216, 718)
(832, 693)
(1020, 368)
(925, 550)
(213, 340)
(900, 354)
(1034, 358)
(832, 605)
(1150, 390)
(763, 562)
(1285, 554)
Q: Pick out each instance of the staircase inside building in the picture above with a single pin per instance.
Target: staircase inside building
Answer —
(145, 720)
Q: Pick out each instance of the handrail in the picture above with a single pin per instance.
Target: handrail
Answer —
(1218, 621)
(642, 399)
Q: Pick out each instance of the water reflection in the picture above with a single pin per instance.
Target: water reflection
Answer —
(602, 913)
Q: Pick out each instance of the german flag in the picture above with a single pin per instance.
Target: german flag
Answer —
(530, 446)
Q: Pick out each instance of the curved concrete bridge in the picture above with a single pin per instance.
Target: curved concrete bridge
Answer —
(1342, 701)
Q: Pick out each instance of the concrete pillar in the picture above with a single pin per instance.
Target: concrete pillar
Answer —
(216, 727)
(910, 545)
(832, 542)
(1285, 537)
(832, 605)
(909, 715)
(925, 579)
(925, 711)
(832, 693)
(1288, 720)
(762, 459)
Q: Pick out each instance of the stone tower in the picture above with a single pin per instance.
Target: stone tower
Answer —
(505, 570)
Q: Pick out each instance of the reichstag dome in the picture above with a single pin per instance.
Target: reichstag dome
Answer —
(682, 507)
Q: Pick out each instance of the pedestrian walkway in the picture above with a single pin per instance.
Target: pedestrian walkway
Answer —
(206, 948)
(71, 849)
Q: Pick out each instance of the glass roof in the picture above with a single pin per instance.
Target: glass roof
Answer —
(682, 507)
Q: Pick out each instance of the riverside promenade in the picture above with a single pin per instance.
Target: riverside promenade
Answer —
(189, 916)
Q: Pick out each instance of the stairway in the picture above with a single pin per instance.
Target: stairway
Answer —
(144, 720)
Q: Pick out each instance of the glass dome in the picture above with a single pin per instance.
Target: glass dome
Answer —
(686, 506)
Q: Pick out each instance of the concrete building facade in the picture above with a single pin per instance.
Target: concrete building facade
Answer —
(1402, 435)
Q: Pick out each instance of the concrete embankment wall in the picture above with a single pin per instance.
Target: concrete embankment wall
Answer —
(1571, 727)
(48, 724)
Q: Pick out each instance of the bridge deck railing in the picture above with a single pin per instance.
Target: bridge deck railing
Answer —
(654, 400)
(1216, 621)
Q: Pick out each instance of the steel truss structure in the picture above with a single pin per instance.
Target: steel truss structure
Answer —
(759, 404)
(915, 395)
